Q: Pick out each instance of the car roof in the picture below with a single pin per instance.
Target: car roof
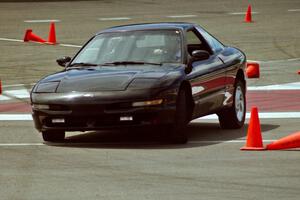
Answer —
(150, 26)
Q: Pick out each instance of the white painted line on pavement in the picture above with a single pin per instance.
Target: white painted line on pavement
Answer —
(114, 18)
(285, 86)
(23, 93)
(241, 13)
(277, 115)
(9, 94)
(70, 144)
(278, 61)
(11, 40)
(70, 45)
(15, 117)
(17, 85)
(222, 141)
(20, 94)
(20, 144)
(181, 16)
(274, 61)
(253, 61)
(293, 59)
(4, 98)
(262, 115)
(294, 10)
(42, 20)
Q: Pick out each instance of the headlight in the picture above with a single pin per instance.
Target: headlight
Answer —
(40, 107)
(49, 87)
(147, 103)
(147, 83)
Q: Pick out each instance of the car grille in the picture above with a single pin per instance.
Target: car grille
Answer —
(90, 109)
(99, 121)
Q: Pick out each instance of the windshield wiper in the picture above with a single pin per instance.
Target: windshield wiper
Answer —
(131, 63)
(82, 64)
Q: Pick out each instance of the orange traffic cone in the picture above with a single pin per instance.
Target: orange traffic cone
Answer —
(288, 142)
(299, 72)
(52, 35)
(252, 70)
(30, 36)
(248, 16)
(254, 138)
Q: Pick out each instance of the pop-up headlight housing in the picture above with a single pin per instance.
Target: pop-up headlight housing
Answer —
(48, 87)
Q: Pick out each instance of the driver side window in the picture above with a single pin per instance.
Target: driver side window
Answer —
(192, 38)
(215, 45)
(195, 43)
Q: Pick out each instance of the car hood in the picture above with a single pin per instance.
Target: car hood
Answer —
(95, 79)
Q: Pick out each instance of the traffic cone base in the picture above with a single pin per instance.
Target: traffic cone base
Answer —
(30, 36)
(254, 139)
(50, 43)
(253, 148)
(288, 142)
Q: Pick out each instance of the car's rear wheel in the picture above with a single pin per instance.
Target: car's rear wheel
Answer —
(53, 136)
(234, 117)
(178, 133)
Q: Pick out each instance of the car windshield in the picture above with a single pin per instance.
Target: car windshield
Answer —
(151, 46)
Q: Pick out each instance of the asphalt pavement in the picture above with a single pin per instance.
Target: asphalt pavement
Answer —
(141, 164)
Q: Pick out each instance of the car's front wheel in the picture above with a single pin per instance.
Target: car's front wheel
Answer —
(234, 117)
(53, 136)
(178, 133)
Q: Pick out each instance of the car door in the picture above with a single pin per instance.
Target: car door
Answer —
(207, 77)
(232, 59)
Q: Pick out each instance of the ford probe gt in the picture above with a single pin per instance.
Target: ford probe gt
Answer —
(164, 74)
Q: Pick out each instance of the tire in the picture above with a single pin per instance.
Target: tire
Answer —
(234, 117)
(53, 136)
(178, 133)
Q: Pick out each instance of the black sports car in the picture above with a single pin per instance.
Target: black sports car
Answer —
(143, 74)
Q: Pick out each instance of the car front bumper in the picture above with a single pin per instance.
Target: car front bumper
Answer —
(97, 119)
(83, 113)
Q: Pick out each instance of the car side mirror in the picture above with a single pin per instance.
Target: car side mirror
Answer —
(198, 55)
(63, 61)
